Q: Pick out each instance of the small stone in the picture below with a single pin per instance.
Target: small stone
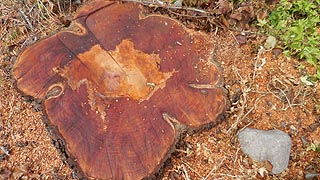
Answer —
(77, 2)
(241, 38)
(276, 52)
(273, 146)
(312, 175)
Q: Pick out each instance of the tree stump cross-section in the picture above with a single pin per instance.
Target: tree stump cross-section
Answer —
(120, 87)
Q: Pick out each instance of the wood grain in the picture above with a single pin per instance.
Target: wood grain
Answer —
(122, 89)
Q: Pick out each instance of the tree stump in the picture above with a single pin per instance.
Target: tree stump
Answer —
(120, 87)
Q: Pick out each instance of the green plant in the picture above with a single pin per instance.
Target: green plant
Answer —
(13, 35)
(314, 147)
(297, 25)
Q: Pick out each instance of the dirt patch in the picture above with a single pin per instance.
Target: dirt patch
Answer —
(265, 92)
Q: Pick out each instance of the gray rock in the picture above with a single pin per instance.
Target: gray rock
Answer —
(273, 146)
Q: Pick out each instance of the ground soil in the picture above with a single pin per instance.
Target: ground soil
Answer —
(264, 90)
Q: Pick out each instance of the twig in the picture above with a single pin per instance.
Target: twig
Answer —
(186, 164)
(241, 115)
(287, 99)
(215, 168)
(234, 37)
(282, 94)
(228, 175)
(11, 106)
(236, 157)
(26, 18)
(5, 150)
(205, 14)
(164, 5)
(185, 173)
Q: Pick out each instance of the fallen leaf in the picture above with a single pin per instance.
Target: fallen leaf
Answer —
(224, 6)
(236, 16)
(270, 42)
(263, 14)
(304, 79)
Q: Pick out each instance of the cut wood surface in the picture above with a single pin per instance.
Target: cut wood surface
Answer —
(122, 88)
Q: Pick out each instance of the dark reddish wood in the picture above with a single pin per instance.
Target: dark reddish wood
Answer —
(123, 88)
